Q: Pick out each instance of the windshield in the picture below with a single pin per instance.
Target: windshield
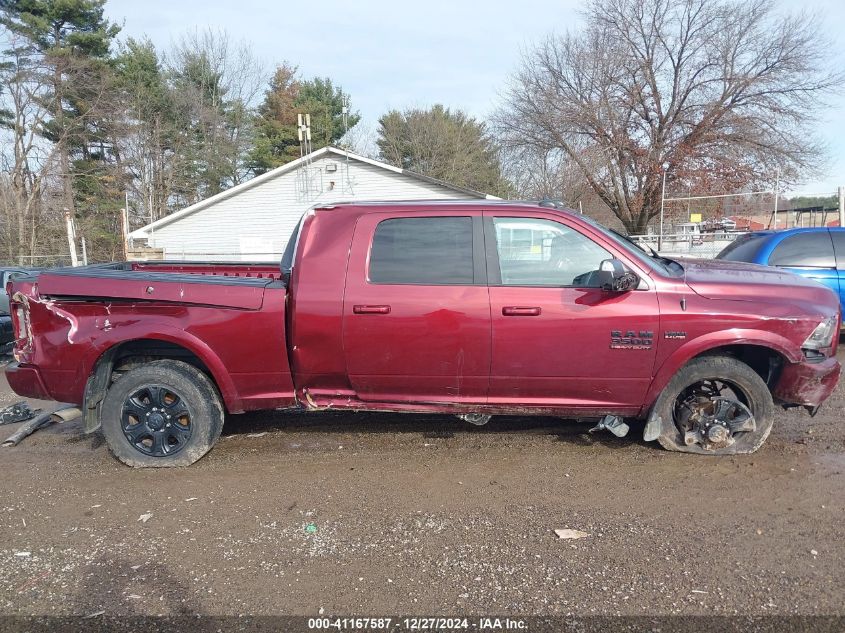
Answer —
(663, 265)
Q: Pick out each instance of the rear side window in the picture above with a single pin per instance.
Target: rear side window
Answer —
(808, 250)
(745, 248)
(424, 251)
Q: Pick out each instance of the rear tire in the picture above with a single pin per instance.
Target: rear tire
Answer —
(714, 394)
(164, 413)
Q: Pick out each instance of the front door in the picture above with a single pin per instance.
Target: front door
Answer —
(416, 311)
(557, 341)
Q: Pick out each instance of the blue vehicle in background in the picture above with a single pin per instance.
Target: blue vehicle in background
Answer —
(817, 253)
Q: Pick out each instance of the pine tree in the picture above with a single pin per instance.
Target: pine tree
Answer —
(72, 41)
(276, 141)
(443, 144)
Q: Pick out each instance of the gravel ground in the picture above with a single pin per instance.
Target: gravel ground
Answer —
(387, 514)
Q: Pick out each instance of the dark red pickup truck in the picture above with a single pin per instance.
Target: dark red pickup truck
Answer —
(473, 309)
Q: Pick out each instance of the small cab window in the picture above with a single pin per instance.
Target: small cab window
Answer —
(804, 250)
(427, 251)
(535, 252)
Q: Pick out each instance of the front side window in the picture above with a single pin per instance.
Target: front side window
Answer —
(427, 251)
(804, 250)
(535, 252)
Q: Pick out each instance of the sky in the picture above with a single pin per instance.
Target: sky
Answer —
(413, 54)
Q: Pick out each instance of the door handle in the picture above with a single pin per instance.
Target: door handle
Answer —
(371, 309)
(520, 311)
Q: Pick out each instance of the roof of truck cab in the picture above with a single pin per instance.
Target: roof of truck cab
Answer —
(482, 204)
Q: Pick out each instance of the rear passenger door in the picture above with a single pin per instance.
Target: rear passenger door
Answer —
(416, 311)
(809, 254)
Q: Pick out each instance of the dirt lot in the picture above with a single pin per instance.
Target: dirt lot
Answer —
(378, 514)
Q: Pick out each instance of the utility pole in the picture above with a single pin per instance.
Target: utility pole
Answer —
(71, 238)
(124, 232)
(777, 192)
(662, 200)
(841, 206)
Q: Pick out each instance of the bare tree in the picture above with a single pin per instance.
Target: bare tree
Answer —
(218, 84)
(720, 93)
(361, 139)
(26, 161)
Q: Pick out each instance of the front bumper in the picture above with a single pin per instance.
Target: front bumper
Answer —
(26, 381)
(807, 384)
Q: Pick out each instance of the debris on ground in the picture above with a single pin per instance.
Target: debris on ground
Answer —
(311, 528)
(145, 517)
(28, 429)
(570, 534)
(17, 412)
(45, 419)
(66, 414)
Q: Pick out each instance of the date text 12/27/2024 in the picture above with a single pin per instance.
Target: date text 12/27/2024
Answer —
(417, 624)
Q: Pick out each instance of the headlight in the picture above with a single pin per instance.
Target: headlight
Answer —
(822, 336)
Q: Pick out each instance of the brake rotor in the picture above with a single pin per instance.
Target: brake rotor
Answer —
(713, 422)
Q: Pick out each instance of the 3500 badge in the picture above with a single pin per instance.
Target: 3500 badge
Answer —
(631, 339)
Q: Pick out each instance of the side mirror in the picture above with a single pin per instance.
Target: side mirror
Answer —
(613, 277)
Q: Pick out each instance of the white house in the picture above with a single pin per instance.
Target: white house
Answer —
(253, 221)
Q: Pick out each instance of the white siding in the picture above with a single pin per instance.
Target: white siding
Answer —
(255, 223)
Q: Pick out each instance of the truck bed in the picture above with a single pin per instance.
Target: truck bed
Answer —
(228, 319)
(233, 285)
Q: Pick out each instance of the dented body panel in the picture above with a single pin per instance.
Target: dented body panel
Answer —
(322, 335)
(77, 316)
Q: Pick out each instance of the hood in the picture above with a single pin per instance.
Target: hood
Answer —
(739, 281)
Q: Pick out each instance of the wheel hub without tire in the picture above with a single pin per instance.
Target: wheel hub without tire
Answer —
(709, 419)
(156, 421)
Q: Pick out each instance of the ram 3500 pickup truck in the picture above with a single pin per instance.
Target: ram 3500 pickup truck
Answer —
(473, 309)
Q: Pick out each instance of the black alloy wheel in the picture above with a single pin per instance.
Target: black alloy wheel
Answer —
(157, 421)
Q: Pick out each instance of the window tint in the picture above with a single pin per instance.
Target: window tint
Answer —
(839, 247)
(811, 249)
(432, 251)
(535, 252)
(744, 248)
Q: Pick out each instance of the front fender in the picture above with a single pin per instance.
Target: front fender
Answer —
(712, 341)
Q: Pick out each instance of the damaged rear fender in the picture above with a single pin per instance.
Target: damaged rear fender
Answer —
(99, 378)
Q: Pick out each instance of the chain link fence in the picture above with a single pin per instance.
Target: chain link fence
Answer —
(703, 245)
(36, 261)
